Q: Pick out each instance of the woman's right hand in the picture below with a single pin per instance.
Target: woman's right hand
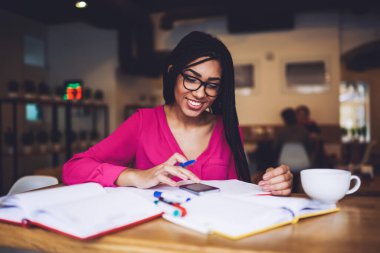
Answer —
(161, 173)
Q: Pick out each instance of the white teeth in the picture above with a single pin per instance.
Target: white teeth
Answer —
(194, 103)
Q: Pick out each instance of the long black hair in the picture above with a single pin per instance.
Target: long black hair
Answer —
(191, 47)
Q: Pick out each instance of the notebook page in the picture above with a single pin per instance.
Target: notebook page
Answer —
(97, 214)
(228, 187)
(315, 206)
(11, 214)
(235, 187)
(148, 193)
(30, 201)
(297, 205)
(232, 217)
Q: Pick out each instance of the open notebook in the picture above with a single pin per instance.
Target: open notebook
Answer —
(241, 209)
(88, 210)
(81, 211)
(236, 218)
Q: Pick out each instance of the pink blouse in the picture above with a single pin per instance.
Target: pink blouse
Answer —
(145, 140)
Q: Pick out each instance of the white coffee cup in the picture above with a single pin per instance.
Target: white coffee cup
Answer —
(328, 185)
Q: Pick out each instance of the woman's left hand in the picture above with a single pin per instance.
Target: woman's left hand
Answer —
(277, 181)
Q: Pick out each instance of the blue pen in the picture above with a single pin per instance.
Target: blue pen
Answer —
(172, 197)
(187, 163)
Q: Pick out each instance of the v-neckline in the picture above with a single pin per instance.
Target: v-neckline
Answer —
(173, 142)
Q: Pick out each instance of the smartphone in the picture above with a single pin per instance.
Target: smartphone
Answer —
(199, 189)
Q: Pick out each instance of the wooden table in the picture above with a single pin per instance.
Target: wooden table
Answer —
(356, 228)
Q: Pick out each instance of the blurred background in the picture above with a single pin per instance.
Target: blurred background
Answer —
(72, 71)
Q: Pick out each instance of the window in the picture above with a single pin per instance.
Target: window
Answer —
(354, 111)
(307, 76)
(244, 76)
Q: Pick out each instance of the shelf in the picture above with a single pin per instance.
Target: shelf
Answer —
(36, 153)
(48, 152)
(14, 105)
(41, 101)
(6, 155)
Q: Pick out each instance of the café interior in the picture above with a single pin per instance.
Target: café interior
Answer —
(72, 71)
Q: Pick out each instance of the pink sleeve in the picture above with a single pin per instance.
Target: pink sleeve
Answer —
(104, 162)
(231, 167)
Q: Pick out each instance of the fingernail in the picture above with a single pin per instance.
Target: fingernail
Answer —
(261, 183)
(266, 176)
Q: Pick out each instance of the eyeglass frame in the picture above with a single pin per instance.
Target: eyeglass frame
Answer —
(202, 84)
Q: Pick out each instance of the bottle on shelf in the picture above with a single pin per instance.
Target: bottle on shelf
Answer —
(98, 96)
(83, 139)
(58, 93)
(73, 138)
(43, 91)
(42, 139)
(87, 95)
(56, 137)
(9, 140)
(13, 89)
(27, 140)
(94, 137)
(29, 89)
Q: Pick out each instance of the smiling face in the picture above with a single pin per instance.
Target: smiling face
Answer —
(193, 103)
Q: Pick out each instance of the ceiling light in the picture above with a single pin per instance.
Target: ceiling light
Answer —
(81, 4)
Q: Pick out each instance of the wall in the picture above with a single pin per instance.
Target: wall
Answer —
(12, 67)
(13, 28)
(315, 36)
(80, 51)
(136, 90)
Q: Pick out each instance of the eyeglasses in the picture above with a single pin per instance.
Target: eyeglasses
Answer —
(192, 83)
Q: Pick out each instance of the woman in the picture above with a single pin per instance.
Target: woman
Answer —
(198, 121)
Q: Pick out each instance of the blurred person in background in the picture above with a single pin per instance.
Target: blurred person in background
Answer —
(303, 119)
(291, 132)
(318, 155)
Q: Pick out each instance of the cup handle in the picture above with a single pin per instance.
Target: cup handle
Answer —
(356, 186)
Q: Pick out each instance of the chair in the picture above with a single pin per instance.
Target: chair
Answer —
(32, 182)
(295, 156)
(363, 166)
(367, 152)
